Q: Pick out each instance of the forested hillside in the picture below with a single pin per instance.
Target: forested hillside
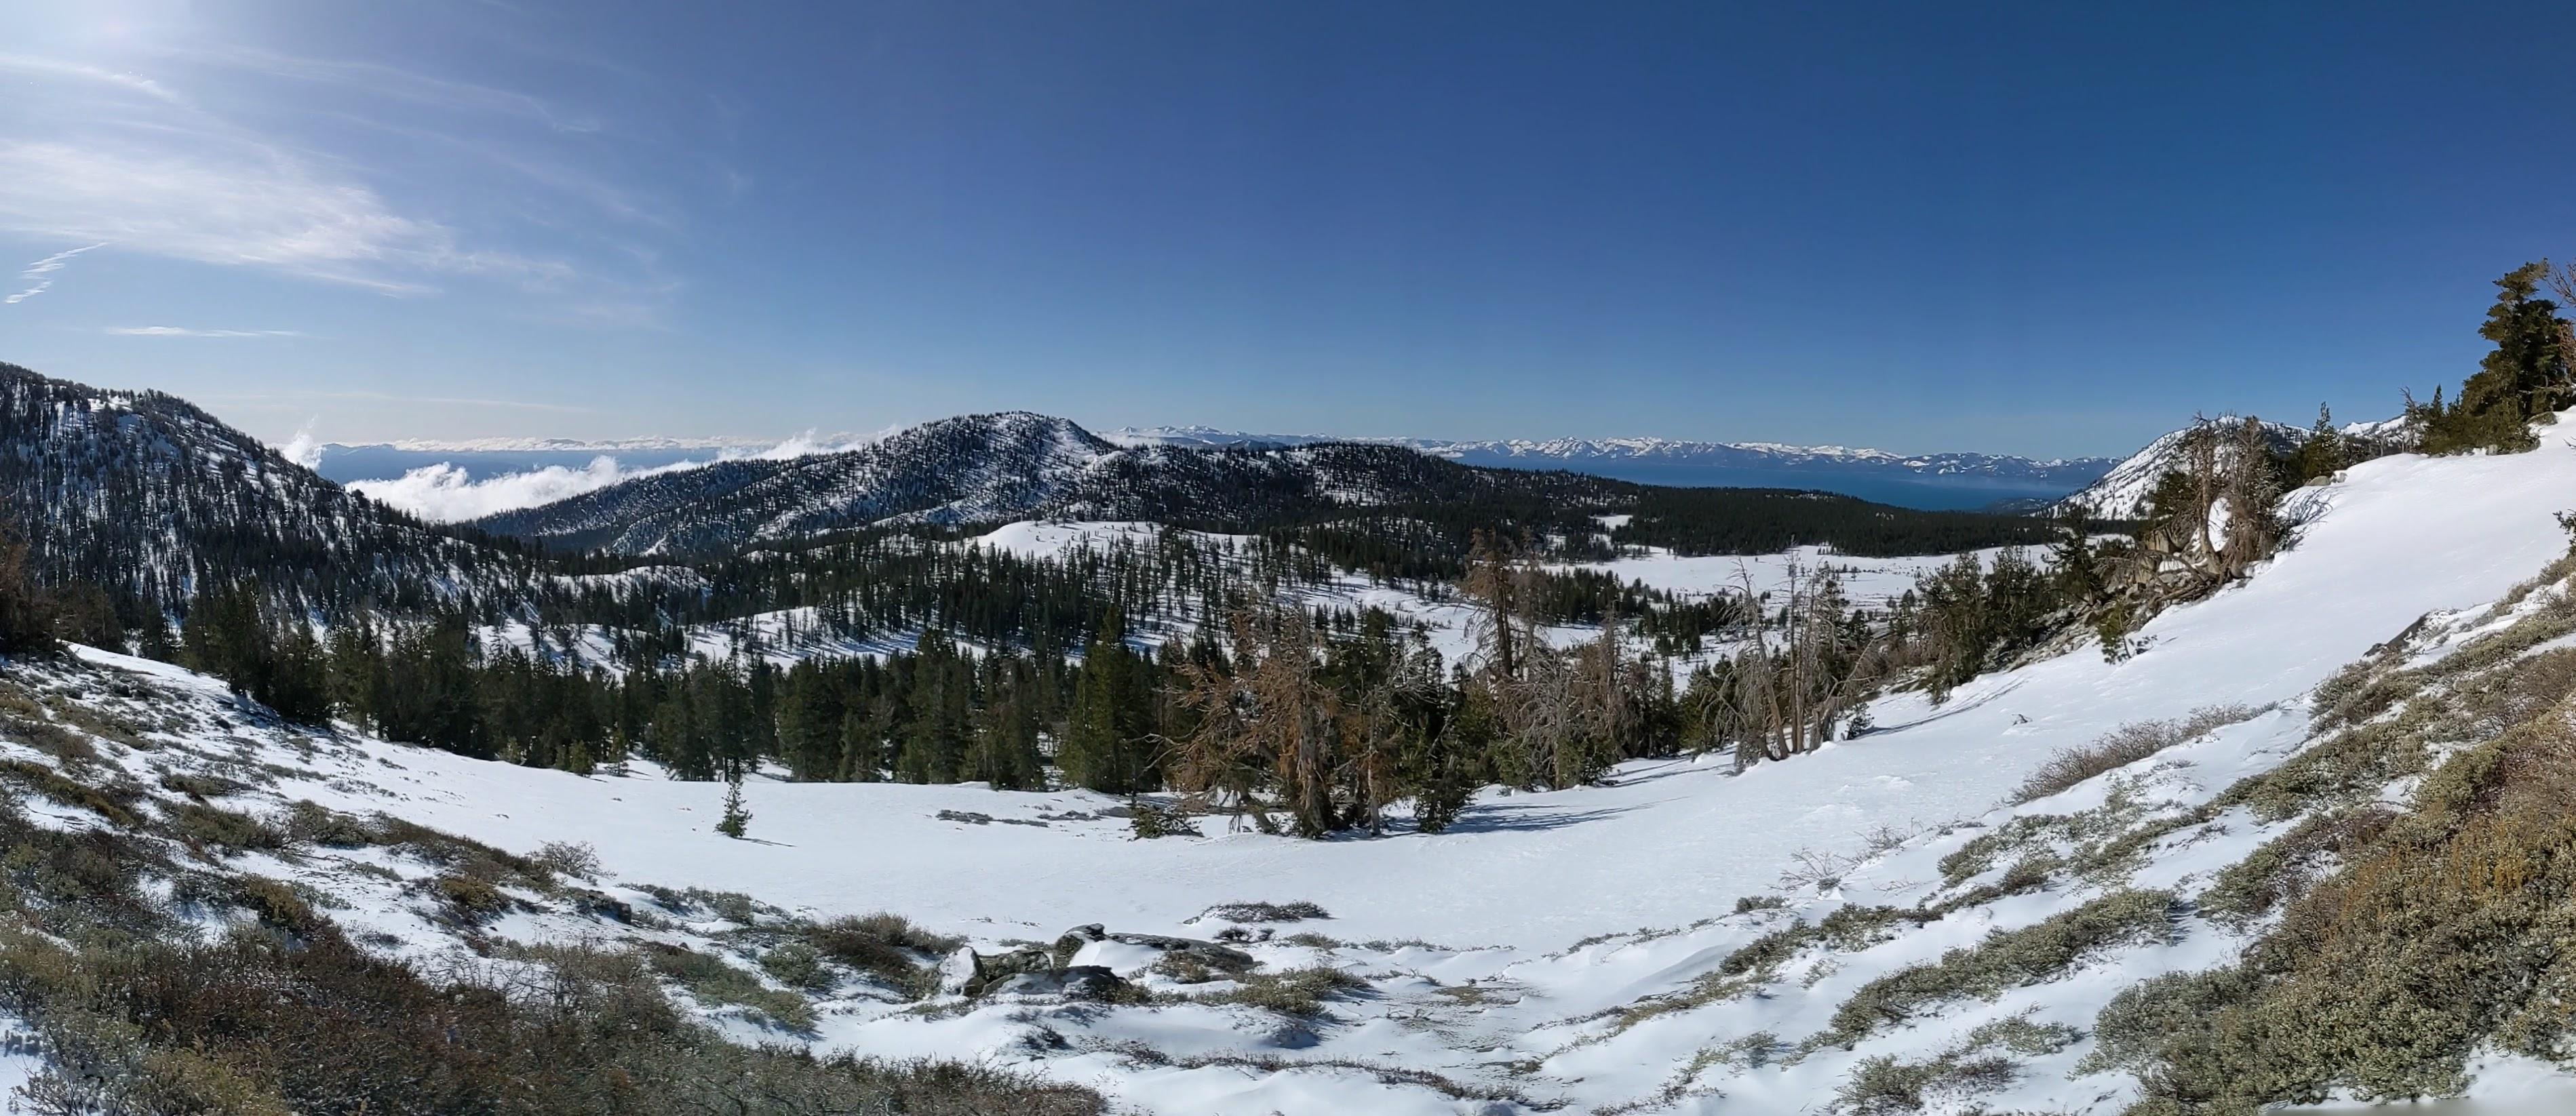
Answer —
(149, 498)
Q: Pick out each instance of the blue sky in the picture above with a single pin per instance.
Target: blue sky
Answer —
(2040, 228)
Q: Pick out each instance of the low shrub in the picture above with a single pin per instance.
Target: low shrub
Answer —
(312, 823)
(1298, 992)
(886, 946)
(1299, 911)
(2255, 886)
(2123, 746)
(1847, 928)
(569, 858)
(713, 981)
(1883, 1086)
(1147, 821)
(279, 905)
(796, 965)
(2005, 959)
(206, 826)
(472, 901)
(113, 802)
(199, 786)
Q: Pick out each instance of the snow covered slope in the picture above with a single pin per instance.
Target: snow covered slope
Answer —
(2404, 536)
(1570, 948)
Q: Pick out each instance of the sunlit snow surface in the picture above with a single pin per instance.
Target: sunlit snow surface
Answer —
(1502, 901)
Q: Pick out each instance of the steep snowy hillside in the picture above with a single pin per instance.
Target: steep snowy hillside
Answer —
(149, 495)
(1860, 930)
(2124, 490)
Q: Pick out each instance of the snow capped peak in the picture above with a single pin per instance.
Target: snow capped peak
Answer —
(1578, 453)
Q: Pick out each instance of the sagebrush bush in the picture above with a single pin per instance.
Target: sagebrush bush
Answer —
(568, 858)
(1846, 928)
(218, 828)
(2125, 745)
(796, 965)
(2441, 933)
(1298, 992)
(2005, 959)
(1884, 1086)
(2253, 887)
(713, 981)
(886, 946)
(1298, 911)
(471, 900)
(112, 801)
(313, 823)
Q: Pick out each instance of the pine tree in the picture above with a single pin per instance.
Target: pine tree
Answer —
(25, 625)
(1103, 737)
(84, 613)
(862, 751)
(737, 817)
(2526, 375)
(297, 684)
(2322, 454)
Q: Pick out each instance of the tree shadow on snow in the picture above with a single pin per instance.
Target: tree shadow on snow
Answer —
(1951, 709)
(1531, 817)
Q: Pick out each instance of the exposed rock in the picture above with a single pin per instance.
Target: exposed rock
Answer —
(1080, 982)
(1071, 941)
(1210, 954)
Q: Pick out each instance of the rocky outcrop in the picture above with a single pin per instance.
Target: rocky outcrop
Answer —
(1049, 969)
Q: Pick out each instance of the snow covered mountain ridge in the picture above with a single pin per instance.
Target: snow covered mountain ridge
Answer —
(995, 468)
(1570, 452)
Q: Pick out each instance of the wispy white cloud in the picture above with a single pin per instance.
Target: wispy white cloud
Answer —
(221, 204)
(59, 68)
(400, 84)
(44, 267)
(183, 331)
(94, 153)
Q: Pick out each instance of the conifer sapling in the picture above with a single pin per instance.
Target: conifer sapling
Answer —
(737, 817)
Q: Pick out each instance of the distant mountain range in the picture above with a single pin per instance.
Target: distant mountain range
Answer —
(156, 498)
(1013, 465)
(1933, 480)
